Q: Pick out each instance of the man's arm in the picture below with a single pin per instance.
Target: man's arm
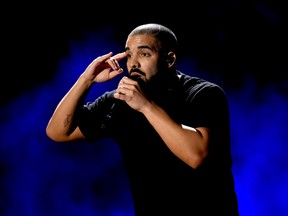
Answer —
(62, 126)
(188, 144)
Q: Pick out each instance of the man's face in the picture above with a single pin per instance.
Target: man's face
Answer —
(142, 56)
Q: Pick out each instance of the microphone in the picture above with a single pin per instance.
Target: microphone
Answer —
(109, 116)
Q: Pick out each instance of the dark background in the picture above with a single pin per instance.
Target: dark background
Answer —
(233, 38)
(241, 45)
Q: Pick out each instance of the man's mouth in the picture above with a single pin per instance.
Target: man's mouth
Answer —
(135, 73)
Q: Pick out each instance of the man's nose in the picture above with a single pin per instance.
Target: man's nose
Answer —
(134, 63)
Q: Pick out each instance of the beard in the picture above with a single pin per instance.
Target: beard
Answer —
(159, 84)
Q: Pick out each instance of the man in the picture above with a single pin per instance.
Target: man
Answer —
(172, 129)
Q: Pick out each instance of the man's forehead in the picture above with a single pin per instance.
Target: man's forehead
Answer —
(141, 41)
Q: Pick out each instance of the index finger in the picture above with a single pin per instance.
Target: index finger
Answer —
(119, 56)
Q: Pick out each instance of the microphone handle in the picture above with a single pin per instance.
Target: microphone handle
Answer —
(109, 116)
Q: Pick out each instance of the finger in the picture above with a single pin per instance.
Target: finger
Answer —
(114, 60)
(113, 63)
(114, 73)
(126, 89)
(121, 93)
(128, 81)
(120, 96)
(103, 58)
(120, 56)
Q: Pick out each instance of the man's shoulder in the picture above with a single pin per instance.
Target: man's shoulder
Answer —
(194, 80)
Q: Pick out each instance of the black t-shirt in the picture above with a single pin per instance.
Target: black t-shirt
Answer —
(161, 183)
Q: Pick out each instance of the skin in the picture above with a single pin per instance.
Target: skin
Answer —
(143, 53)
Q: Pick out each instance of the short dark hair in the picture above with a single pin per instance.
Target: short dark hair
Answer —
(166, 38)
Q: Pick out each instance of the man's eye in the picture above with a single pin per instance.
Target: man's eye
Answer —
(145, 54)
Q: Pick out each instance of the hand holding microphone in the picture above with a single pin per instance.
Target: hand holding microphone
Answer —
(130, 90)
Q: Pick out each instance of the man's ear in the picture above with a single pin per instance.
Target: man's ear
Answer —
(171, 58)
